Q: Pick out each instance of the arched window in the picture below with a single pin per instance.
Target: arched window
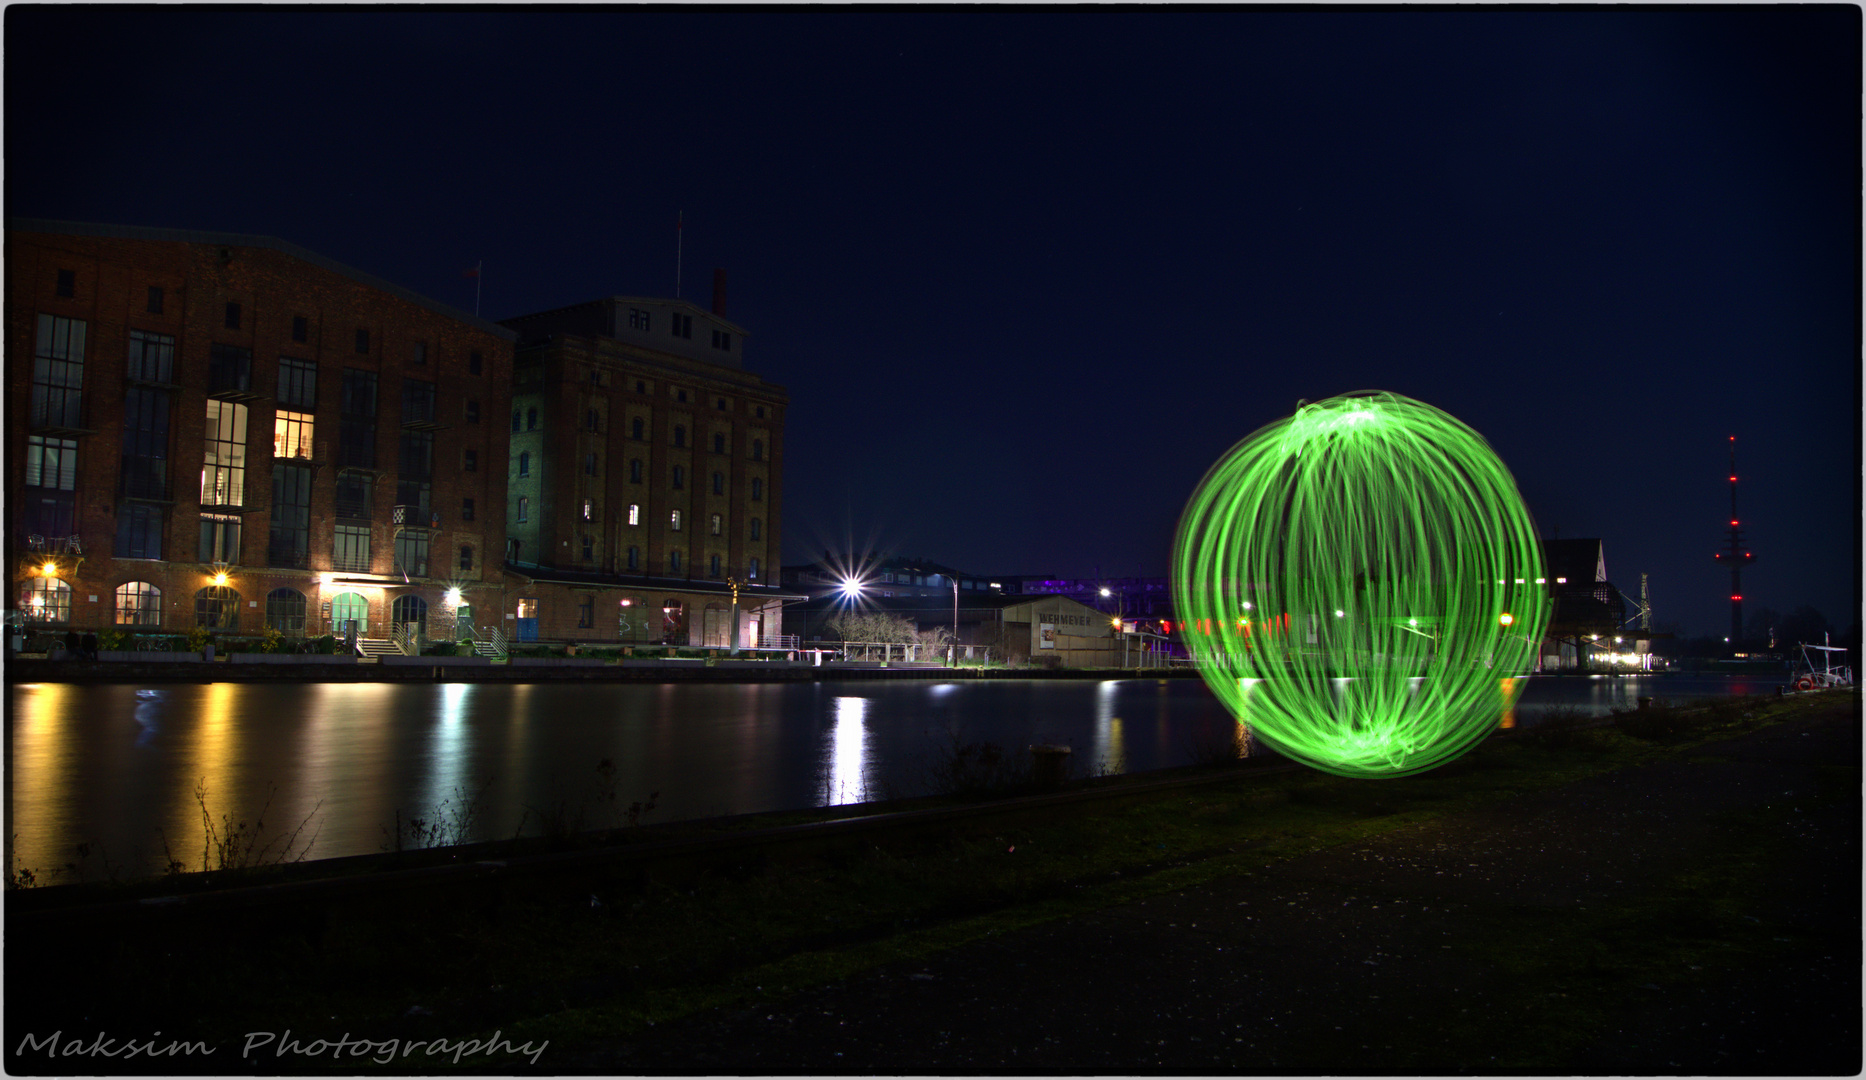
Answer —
(673, 623)
(758, 489)
(719, 483)
(680, 435)
(753, 574)
(524, 463)
(634, 558)
(347, 606)
(591, 420)
(139, 604)
(410, 609)
(589, 464)
(719, 443)
(712, 567)
(758, 449)
(46, 600)
(680, 477)
(517, 420)
(285, 610)
(717, 523)
(673, 561)
(217, 607)
(635, 428)
(524, 509)
(758, 528)
(634, 471)
(531, 419)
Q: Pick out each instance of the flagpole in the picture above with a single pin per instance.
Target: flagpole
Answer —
(680, 236)
(478, 277)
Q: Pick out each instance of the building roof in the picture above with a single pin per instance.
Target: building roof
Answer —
(614, 300)
(192, 236)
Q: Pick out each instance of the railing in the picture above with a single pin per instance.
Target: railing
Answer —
(292, 560)
(406, 643)
(777, 641)
(419, 517)
(493, 636)
(356, 564)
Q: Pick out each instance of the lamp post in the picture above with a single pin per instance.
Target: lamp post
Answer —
(734, 582)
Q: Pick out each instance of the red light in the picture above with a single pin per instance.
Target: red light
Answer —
(1733, 523)
(1733, 479)
(1166, 626)
(1736, 598)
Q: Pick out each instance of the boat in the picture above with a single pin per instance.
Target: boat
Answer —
(1825, 677)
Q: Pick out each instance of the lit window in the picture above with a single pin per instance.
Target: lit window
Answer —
(675, 519)
(589, 510)
(634, 513)
(291, 435)
(524, 463)
(716, 523)
(223, 465)
(753, 571)
(139, 604)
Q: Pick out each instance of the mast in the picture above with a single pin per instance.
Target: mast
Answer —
(1735, 557)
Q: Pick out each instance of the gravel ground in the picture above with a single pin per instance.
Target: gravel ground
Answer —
(1383, 957)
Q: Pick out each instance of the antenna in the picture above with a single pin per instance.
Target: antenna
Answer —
(680, 236)
(1735, 557)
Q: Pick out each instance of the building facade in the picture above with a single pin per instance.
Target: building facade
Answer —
(645, 482)
(231, 432)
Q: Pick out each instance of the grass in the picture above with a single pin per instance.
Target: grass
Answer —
(612, 950)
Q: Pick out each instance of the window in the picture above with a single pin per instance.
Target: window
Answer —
(475, 362)
(58, 373)
(680, 435)
(67, 283)
(524, 509)
(356, 437)
(301, 328)
(290, 541)
(524, 463)
(152, 357)
(469, 461)
(223, 465)
(712, 567)
(673, 561)
(531, 419)
(466, 557)
(758, 489)
(466, 509)
(362, 340)
(51, 480)
(145, 443)
(752, 573)
(410, 609)
(217, 607)
(719, 483)
(411, 552)
(472, 410)
(155, 300)
(589, 509)
(421, 354)
(138, 603)
(229, 367)
(675, 520)
(297, 384)
(517, 421)
(761, 412)
(680, 477)
(589, 420)
(634, 513)
(220, 539)
(720, 404)
(356, 495)
(589, 464)
(634, 471)
(233, 315)
(758, 449)
(717, 523)
(285, 610)
(45, 600)
(139, 531)
(719, 443)
(350, 550)
(722, 340)
(527, 608)
(291, 435)
(636, 428)
(680, 395)
(589, 549)
(346, 608)
(757, 528)
(414, 482)
(639, 319)
(683, 325)
(417, 401)
(641, 387)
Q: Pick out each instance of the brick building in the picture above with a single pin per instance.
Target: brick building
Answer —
(231, 432)
(645, 476)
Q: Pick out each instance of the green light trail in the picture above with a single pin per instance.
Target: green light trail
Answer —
(1357, 583)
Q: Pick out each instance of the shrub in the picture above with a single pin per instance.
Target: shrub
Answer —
(197, 638)
(112, 640)
(442, 648)
(269, 639)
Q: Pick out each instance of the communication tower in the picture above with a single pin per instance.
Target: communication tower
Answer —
(1735, 557)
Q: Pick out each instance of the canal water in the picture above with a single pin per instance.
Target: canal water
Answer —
(127, 770)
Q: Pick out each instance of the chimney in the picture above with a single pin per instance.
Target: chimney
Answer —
(719, 291)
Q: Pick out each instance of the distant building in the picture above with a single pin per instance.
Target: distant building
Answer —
(645, 476)
(1588, 623)
(231, 432)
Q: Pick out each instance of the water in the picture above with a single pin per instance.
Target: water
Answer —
(117, 766)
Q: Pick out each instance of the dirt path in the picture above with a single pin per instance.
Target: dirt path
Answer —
(1697, 915)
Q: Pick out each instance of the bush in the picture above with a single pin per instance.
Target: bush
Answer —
(112, 641)
(322, 646)
(197, 638)
(442, 648)
(269, 639)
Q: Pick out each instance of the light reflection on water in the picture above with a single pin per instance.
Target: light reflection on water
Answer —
(117, 766)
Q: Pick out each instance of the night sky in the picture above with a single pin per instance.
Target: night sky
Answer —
(1026, 274)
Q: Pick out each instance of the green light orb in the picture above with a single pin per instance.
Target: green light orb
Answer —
(1358, 583)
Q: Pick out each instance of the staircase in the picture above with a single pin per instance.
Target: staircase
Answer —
(489, 642)
(371, 648)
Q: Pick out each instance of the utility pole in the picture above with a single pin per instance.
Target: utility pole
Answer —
(1735, 557)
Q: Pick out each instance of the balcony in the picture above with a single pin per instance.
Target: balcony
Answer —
(349, 563)
(287, 559)
(415, 517)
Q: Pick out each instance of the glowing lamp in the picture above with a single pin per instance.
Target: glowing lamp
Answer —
(220, 579)
(1105, 592)
(1506, 619)
(1388, 505)
(49, 569)
(453, 596)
